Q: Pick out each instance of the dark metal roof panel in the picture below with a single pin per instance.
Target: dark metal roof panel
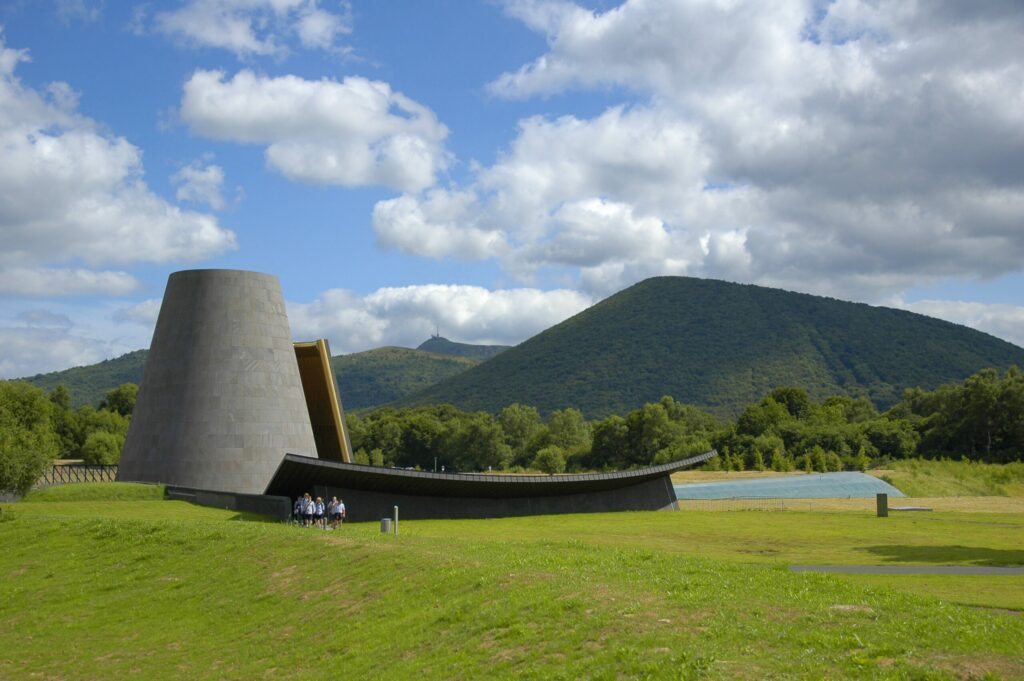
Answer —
(297, 474)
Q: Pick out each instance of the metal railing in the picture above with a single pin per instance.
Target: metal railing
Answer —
(64, 474)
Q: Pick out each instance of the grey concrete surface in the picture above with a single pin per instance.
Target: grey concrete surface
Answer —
(220, 400)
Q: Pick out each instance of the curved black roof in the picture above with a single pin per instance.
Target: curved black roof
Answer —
(298, 474)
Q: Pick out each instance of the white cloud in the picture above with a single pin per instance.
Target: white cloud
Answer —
(406, 316)
(842, 149)
(144, 313)
(439, 224)
(71, 193)
(48, 281)
(256, 27)
(999, 319)
(45, 319)
(355, 132)
(71, 11)
(33, 350)
(200, 184)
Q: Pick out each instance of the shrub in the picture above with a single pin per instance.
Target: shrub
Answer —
(102, 447)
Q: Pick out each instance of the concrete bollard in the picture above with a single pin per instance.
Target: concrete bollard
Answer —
(396, 521)
(882, 504)
(385, 525)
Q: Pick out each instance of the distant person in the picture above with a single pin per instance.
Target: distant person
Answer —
(297, 510)
(308, 510)
(320, 512)
(341, 511)
(334, 513)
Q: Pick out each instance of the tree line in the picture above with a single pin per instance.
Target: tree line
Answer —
(36, 428)
(980, 419)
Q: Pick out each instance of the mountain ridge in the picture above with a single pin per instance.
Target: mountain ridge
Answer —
(722, 346)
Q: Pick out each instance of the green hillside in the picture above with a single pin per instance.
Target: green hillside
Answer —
(366, 379)
(89, 384)
(722, 346)
(375, 377)
(442, 346)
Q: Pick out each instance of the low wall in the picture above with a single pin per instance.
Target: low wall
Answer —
(364, 505)
(279, 508)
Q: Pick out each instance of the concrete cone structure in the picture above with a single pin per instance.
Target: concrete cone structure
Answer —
(221, 401)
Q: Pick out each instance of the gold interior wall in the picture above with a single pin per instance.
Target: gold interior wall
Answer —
(325, 412)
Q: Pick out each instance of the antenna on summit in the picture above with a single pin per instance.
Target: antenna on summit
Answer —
(437, 331)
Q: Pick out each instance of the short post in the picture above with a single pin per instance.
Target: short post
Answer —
(396, 521)
(385, 525)
(882, 504)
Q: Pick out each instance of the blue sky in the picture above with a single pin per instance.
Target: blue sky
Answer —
(492, 168)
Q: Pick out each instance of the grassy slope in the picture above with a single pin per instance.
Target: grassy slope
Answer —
(89, 384)
(159, 589)
(442, 346)
(722, 346)
(366, 379)
(922, 478)
(375, 377)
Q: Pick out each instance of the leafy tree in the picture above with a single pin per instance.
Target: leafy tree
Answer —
(807, 463)
(895, 439)
(121, 399)
(795, 400)
(102, 447)
(86, 421)
(550, 460)
(611, 440)
(60, 397)
(27, 440)
(818, 461)
(521, 425)
(762, 418)
(479, 444)
(650, 430)
(758, 463)
(568, 430)
(65, 425)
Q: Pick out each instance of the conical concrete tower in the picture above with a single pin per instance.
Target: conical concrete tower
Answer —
(221, 401)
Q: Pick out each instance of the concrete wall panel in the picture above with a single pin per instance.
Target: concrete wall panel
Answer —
(220, 400)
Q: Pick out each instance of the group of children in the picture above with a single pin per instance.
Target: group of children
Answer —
(310, 513)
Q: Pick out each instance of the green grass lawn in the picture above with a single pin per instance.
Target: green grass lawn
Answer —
(97, 589)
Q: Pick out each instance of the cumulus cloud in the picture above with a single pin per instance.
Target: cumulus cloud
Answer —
(72, 193)
(406, 316)
(49, 281)
(355, 132)
(842, 149)
(200, 183)
(32, 350)
(437, 225)
(256, 27)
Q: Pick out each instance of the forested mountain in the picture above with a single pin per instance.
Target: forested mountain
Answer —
(365, 379)
(375, 377)
(722, 346)
(442, 346)
(88, 384)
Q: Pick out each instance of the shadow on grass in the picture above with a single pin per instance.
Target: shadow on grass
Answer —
(973, 555)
